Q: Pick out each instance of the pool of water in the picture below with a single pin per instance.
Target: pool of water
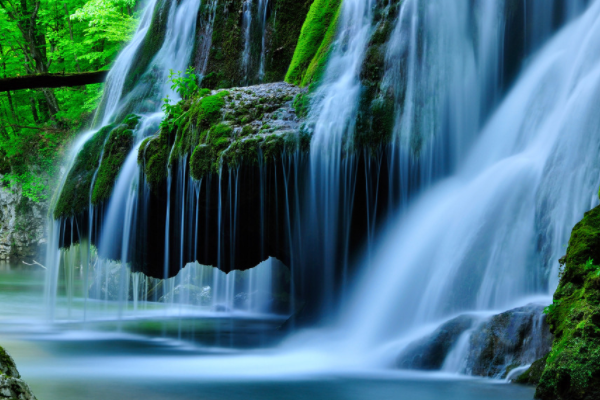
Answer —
(158, 355)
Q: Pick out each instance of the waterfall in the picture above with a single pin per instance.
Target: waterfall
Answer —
(206, 39)
(489, 236)
(263, 6)
(246, 30)
(116, 77)
(333, 114)
(121, 218)
(491, 162)
(254, 31)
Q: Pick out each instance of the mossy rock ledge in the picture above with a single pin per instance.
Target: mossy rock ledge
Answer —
(96, 168)
(11, 385)
(227, 128)
(572, 369)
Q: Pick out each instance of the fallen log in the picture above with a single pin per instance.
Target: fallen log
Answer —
(51, 80)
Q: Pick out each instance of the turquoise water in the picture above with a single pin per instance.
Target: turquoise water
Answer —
(163, 357)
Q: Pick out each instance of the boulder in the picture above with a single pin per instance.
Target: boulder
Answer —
(514, 338)
(496, 345)
(11, 385)
(430, 352)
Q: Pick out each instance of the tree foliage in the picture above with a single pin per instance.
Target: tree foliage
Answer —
(53, 36)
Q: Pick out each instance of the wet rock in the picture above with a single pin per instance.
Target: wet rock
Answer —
(496, 345)
(188, 294)
(533, 374)
(430, 352)
(11, 385)
(107, 283)
(514, 338)
(22, 226)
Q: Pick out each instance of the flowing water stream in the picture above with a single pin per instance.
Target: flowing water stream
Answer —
(489, 176)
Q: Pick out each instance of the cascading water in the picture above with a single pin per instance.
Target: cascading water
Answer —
(263, 6)
(254, 31)
(248, 291)
(116, 77)
(490, 236)
(246, 30)
(334, 113)
(485, 238)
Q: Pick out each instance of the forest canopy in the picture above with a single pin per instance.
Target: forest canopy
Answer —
(46, 37)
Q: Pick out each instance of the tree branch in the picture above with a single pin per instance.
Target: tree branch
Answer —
(52, 80)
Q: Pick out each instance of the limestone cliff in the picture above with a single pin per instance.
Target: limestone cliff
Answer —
(22, 226)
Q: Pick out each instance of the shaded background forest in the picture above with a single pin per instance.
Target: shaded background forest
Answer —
(37, 37)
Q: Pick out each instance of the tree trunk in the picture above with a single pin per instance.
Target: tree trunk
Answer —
(34, 111)
(71, 34)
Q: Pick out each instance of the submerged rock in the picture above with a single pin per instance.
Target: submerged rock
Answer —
(11, 385)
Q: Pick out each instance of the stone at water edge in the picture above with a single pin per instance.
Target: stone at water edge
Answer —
(430, 352)
(496, 345)
(11, 385)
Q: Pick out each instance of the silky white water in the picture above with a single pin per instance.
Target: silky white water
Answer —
(84, 267)
(116, 77)
(473, 241)
(503, 180)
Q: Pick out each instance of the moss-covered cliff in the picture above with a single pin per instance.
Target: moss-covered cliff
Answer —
(97, 164)
(226, 127)
(377, 105)
(572, 370)
(273, 34)
(314, 43)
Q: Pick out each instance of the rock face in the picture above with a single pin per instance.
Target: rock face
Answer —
(495, 346)
(430, 352)
(514, 338)
(572, 370)
(11, 385)
(22, 226)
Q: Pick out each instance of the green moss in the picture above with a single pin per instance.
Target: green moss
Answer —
(75, 195)
(116, 150)
(272, 147)
(377, 108)
(315, 40)
(7, 365)
(224, 60)
(142, 150)
(317, 66)
(533, 375)
(375, 122)
(201, 161)
(242, 151)
(302, 104)
(247, 130)
(192, 126)
(573, 366)
(154, 155)
(220, 131)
